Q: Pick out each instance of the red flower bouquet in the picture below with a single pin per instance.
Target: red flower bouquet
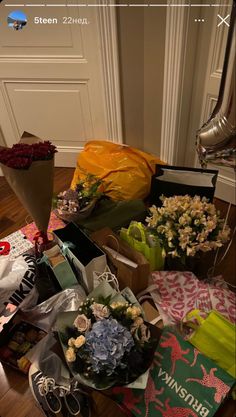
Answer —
(21, 155)
(28, 168)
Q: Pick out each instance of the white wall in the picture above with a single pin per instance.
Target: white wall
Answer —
(1, 138)
(141, 38)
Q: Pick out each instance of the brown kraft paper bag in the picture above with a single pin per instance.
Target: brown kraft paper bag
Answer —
(133, 276)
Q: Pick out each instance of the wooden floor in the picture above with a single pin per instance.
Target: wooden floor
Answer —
(15, 397)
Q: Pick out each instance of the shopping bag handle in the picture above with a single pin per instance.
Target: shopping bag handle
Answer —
(193, 319)
(138, 226)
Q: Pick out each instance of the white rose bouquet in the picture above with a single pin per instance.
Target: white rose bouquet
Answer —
(187, 225)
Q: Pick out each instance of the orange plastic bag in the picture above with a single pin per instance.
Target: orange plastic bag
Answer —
(126, 171)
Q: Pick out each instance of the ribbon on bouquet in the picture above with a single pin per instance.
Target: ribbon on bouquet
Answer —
(40, 241)
(65, 246)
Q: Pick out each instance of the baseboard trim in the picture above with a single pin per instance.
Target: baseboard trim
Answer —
(71, 156)
(226, 189)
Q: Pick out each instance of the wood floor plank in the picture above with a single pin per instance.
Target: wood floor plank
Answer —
(11, 378)
(20, 405)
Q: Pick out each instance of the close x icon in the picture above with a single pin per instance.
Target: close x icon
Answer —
(223, 20)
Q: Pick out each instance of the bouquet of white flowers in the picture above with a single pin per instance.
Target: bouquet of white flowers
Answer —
(186, 225)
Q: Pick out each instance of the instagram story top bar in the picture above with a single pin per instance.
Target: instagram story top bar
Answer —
(169, 4)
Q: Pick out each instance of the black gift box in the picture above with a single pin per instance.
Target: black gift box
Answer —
(170, 180)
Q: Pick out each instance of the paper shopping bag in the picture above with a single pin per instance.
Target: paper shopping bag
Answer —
(17, 280)
(170, 180)
(182, 382)
(60, 267)
(137, 238)
(84, 255)
(131, 267)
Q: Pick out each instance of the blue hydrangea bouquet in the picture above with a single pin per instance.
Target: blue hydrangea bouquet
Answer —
(107, 342)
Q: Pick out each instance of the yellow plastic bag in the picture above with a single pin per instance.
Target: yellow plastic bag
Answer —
(125, 171)
(136, 237)
(215, 337)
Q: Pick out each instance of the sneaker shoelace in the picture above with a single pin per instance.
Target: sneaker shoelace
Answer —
(75, 387)
(62, 390)
(45, 385)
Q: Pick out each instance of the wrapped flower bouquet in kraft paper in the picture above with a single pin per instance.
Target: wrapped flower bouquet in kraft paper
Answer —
(28, 168)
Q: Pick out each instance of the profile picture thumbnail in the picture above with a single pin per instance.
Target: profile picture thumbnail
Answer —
(16, 20)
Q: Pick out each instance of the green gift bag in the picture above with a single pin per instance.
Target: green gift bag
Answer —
(182, 383)
(136, 237)
(55, 259)
(215, 337)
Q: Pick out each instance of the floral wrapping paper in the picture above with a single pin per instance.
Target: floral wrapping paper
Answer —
(31, 229)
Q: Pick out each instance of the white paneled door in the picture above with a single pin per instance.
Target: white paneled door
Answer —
(55, 78)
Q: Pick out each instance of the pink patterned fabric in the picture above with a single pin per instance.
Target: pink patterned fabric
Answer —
(31, 229)
(177, 293)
